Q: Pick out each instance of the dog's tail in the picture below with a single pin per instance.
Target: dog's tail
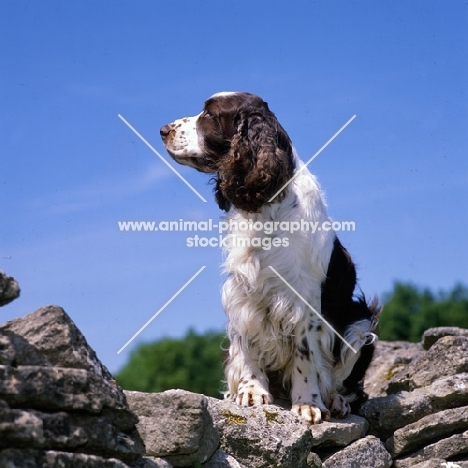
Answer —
(368, 313)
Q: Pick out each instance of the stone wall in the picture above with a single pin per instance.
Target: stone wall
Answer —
(60, 407)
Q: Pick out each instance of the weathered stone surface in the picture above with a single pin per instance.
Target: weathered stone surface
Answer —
(175, 425)
(262, 437)
(7, 350)
(46, 363)
(9, 289)
(52, 335)
(57, 388)
(452, 464)
(364, 453)
(314, 461)
(433, 463)
(221, 459)
(20, 428)
(428, 430)
(387, 414)
(389, 358)
(431, 335)
(440, 463)
(448, 356)
(30, 458)
(339, 432)
(153, 462)
(16, 351)
(443, 449)
(60, 430)
(59, 406)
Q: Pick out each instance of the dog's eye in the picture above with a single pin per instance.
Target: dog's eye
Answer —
(208, 114)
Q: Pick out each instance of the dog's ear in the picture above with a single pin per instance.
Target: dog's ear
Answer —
(221, 199)
(258, 164)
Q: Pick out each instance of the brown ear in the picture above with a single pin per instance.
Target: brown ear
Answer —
(259, 163)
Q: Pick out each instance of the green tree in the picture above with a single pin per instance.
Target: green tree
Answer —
(409, 310)
(192, 363)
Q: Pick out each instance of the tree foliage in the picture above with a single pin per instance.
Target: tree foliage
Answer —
(192, 363)
(409, 310)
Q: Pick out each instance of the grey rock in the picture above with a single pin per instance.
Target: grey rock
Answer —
(262, 437)
(153, 462)
(457, 464)
(7, 350)
(433, 463)
(9, 289)
(53, 335)
(30, 458)
(314, 461)
(79, 460)
(389, 358)
(428, 430)
(447, 392)
(448, 356)
(58, 388)
(101, 436)
(339, 432)
(431, 335)
(59, 406)
(46, 362)
(61, 430)
(16, 351)
(175, 425)
(443, 449)
(20, 428)
(440, 463)
(387, 414)
(221, 459)
(364, 453)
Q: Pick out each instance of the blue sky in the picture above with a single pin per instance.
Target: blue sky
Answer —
(71, 169)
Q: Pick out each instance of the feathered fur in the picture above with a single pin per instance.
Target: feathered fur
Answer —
(285, 304)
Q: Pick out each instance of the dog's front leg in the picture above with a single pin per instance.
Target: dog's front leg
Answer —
(311, 373)
(247, 382)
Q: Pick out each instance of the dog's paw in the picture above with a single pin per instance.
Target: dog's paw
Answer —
(251, 394)
(338, 406)
(311, 413)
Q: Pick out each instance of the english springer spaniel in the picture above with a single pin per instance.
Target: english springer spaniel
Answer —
(295, 327)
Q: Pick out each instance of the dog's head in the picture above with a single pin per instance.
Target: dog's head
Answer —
(239, 139)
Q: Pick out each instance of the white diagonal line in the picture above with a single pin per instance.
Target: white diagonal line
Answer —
(161, 309)
(313, 310)
(312, 158)
(161, 158)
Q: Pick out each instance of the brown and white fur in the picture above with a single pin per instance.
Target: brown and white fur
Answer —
(279, 344)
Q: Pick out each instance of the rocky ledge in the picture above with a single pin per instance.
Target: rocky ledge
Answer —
(60, 407)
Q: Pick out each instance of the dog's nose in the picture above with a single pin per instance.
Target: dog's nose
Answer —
(164, 131)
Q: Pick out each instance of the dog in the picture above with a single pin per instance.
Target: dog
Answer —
(295, 326)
